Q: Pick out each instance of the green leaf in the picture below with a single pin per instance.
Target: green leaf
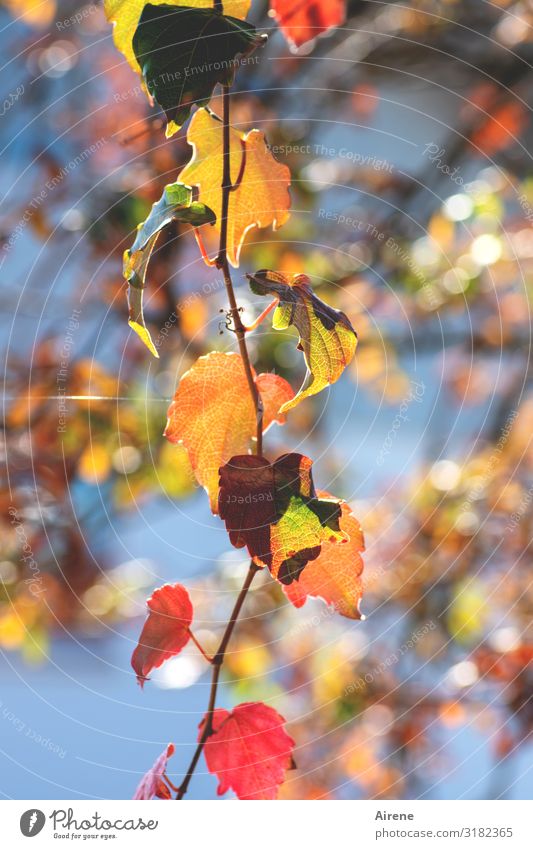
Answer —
(184, 52)
(327, 338)
(273, 510)
(175, 204)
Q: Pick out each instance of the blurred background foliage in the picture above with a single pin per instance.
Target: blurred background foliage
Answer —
(408, 135)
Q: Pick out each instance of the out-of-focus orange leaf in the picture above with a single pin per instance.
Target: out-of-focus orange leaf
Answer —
(213, 415)
(194, 318)
(442, 231)
(273, 509)
(166, 630)
(36, 13)
(249, 751)
(302, 20)
(502, 128)
(262, 197)
(452, 714)
(335, 576)
(365, 99)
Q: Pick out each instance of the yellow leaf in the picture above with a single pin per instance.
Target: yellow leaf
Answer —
(94, 465)
(125, 14)
(327, 338)
(262, 196)
(144, 335)
(12, 631)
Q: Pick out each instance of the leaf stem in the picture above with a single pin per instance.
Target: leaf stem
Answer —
(255, 324)
(200, 647)
(223, 265)
(200, 243)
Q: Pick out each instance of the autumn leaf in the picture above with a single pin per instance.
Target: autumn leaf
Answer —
(152, 783)
(183, 53)
(273, 510)
(261, 197)
(502, 128)
(302, 20)
(36, 13)
(327, 338)
(249, 751)
(166, 630)
(125, 14)
(175, 204)
(335, 575)
(214, 417)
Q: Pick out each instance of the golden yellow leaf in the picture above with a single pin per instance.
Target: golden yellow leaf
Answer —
(262, 197)
(125, 14)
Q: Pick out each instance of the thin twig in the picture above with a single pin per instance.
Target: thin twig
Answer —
(217, 662)
(223, 265)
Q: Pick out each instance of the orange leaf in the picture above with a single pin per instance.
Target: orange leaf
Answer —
(213, 415)
(273, 509)
(249, 750)
(165, 632)
(262, 196)
(302, 20)
(335, 576)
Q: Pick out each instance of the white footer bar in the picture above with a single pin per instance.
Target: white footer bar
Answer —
(268, 825)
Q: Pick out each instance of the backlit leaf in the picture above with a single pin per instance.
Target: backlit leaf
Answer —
(327, 338)
(302, 20)
(184, 52)
(249, 751)
(125, 14)
(152, 784)
(175, 204)
(166, 630)
(213, 415)
(262, 198)
(335, 576)
(273, 510)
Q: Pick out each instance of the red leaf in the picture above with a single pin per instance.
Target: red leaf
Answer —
(249, 750)
(165, 632)
(152, 784)
(303, 20)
